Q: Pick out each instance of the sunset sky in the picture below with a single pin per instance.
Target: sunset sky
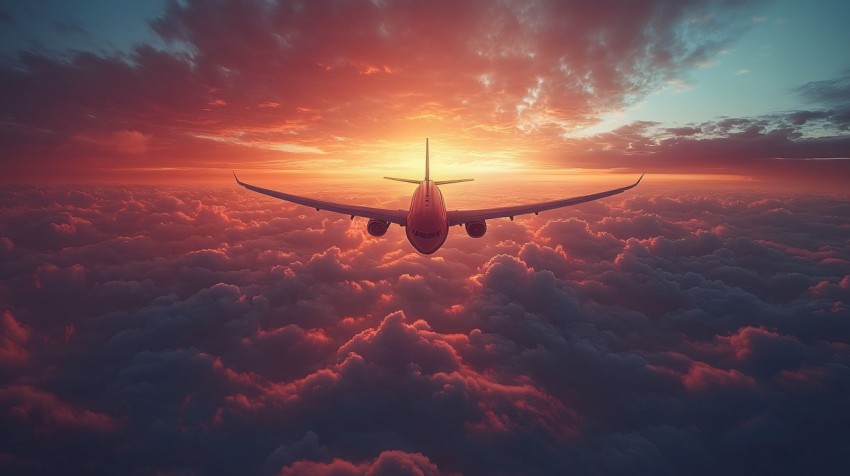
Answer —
(124, 91)
(155, 318)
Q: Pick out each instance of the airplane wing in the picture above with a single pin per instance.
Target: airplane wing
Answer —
(398, 217)
(459, 217)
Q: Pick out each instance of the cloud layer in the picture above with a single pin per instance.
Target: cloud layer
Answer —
(211, 331)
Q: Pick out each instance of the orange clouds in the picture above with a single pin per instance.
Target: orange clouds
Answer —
(270, 86)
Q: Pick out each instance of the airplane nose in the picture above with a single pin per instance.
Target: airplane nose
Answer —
(429, 251)
(426, 246)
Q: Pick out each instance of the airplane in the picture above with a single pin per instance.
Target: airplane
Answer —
(427, 221)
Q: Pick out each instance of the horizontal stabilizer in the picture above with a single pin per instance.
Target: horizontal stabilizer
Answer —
(444, 182)
(417, 182)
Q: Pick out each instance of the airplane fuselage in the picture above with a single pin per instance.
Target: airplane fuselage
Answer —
(427, 225)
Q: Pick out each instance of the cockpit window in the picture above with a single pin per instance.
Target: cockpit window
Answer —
(426, 235)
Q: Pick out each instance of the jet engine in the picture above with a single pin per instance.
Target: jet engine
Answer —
(377, 227)
(476, 229)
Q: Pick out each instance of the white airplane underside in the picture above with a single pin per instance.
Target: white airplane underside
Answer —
(427, 221)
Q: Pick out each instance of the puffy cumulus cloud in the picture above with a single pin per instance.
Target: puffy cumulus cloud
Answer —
(407, 381)
(210, 330)
(13, 341)
(388, 463)
(43, 412)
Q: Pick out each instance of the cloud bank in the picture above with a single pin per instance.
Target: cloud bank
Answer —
(211, 331)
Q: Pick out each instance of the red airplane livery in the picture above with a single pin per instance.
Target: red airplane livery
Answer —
(427, 221)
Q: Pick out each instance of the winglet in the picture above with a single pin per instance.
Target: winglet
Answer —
(634, 184)
(629, 187)
(237, 179)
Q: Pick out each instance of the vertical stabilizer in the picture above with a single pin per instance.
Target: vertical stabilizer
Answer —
(427, 159)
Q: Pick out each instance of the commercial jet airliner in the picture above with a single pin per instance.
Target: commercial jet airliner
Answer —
(427, 221)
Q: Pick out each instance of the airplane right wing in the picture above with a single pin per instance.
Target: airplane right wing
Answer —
(459, 217)
(398, 217)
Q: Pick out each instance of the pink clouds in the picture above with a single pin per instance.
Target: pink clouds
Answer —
(387, 463)
(44, 413)
(388, 361)
(608, 337)
(743, 342)
(702, 377)
(13, 341)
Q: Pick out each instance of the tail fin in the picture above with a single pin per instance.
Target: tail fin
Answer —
(427, 160)
(428, 172)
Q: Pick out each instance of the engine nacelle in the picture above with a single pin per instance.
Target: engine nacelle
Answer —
(377, 227)
(476, 229)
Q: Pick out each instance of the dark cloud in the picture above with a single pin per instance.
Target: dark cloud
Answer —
(684, 131)
(795, 146)
(150, 330)
(832, 92)
(800, 118)
(738, 145)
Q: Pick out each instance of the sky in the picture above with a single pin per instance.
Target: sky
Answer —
(155, 318)
(118, 92)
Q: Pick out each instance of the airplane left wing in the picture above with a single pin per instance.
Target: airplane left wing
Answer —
(398, 217)
(459, 217)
